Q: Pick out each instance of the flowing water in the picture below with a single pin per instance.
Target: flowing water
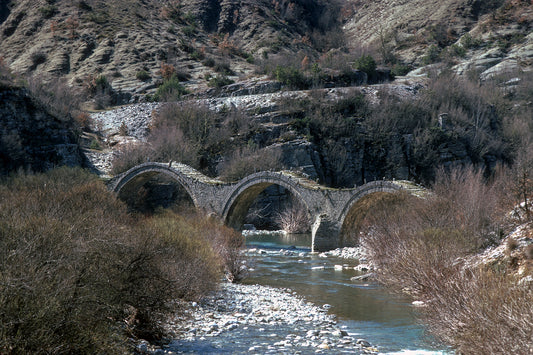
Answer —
(364, 308)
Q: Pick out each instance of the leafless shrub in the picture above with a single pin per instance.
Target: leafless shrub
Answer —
(461, 216)
(511, 245)
(83, 120)
(481, 312)
(227, 244)
(293, 219)
(246, 161)
(188, 133)
(418, 246)
(56, 96)
(129, 156)
(200, 125)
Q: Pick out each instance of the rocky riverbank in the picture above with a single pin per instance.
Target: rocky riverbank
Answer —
(259, 320)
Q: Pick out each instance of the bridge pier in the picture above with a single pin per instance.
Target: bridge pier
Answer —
(325, 234)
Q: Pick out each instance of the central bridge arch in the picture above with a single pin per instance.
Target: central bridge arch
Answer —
(246, 191)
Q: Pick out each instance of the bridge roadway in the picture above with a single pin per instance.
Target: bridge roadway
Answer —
(328, 209)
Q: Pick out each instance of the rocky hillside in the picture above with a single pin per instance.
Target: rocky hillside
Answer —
(30, 137)
(131, 47)
(129, 41)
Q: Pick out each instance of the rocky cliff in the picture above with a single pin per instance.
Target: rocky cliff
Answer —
(31, 138)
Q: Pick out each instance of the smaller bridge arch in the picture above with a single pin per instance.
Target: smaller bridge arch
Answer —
(184, 175)
(349, 211)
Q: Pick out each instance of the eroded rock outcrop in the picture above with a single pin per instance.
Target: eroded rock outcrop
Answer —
(30, 137)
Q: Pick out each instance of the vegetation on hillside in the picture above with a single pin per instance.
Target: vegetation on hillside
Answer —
(451, 121)
(198, 136)
(81, 275)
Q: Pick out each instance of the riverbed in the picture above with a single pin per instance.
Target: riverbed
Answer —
(295, 301)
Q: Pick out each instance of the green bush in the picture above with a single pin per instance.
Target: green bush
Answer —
(220, 81)
(209, 62)
(48, 11)
(400, 69)
(189, 31)
(468, 42)
(95, 145)
(38, 58)
(367, 64)
(142, 75)
(290, 76)
(457, 50)
(432, 55)
(170, 90)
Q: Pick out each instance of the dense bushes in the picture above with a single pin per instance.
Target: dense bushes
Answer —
(420, 246)
(170, 90)
(452, 121)
(461, 215)
(78, 275)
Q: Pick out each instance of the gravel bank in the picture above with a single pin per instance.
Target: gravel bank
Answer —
(260, 320)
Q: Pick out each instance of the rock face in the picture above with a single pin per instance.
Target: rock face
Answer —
(30, 138)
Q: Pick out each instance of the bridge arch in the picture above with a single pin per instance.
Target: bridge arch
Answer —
(362, 201)
(246, 191)
(137, 176)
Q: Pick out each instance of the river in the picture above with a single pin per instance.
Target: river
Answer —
(364, 308)
(361, 309)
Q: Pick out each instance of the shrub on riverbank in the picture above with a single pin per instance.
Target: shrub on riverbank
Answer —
(420, 246)
(80, 275)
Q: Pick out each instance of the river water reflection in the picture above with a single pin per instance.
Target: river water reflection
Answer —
(363, 308)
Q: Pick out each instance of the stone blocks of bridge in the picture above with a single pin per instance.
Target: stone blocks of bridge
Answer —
(325, 234)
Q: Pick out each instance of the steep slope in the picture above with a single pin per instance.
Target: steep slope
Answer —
(121, 39)
(420, 32)
(31, 138)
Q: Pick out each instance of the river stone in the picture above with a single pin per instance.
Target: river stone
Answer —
(363, 343)
(324, 346)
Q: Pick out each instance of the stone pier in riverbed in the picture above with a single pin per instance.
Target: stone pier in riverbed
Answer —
(329, 210)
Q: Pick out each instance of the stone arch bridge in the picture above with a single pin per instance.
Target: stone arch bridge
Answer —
(328, 209)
